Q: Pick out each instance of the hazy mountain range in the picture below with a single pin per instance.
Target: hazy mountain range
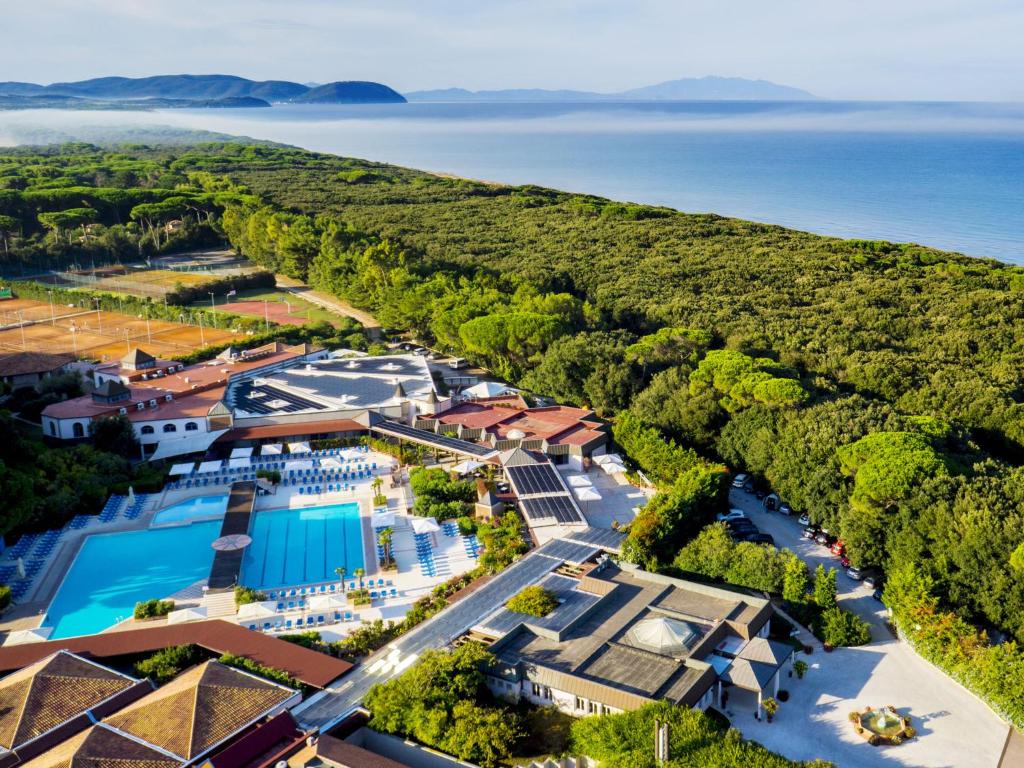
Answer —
(192, 90)
(685, 89)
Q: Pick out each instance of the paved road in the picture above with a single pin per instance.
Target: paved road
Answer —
(786, 530)
(345, 693)
(955, 728)
(330, 303)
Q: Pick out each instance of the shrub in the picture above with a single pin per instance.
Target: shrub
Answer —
(839, 627)
(270, 673)
(269, 474)
(150, 609)
(245, 595)
(167, 663)
(310, 639)
(5, 596)
(800, 667)
(359, 596)
(533, 601)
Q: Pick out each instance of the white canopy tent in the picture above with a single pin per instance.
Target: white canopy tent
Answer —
(209, 466)
(606, 457)
(579, 481)
(613, 468)
(330, 463)
(253, 611)
(425, 525)
(467, 466)
(298, 466)
(185, 446)
(241, 453)
(587, 494)
(328, 602)
(186, 614)
(182, 469)
(273, 449)
(382, 520)
(299, 448)
(22, 636)
(239, 463)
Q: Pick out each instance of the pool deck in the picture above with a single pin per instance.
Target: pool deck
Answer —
(227, 565)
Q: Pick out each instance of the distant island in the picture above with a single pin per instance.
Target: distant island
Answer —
(191, 91)
(685, 89)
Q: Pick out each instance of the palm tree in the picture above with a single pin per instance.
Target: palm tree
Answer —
(377, 484)
(359, 573)
(384, 539)
(341, 576)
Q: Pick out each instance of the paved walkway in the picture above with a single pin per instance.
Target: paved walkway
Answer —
(955, 728)
(330, 303)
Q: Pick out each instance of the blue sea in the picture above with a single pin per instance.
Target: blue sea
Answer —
(949, 175)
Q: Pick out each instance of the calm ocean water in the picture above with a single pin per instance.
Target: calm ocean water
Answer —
(947, 175)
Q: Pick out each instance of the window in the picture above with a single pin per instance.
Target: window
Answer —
(170, 428)
(580, 703)
(77, 429)
(538, 690)
(148, 430)
(191, 426)
(140, 406)
(593, 708)
(53, 428)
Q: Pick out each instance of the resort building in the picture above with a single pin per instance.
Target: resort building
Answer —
(67, 711)
(621, 637)
(52, 699)
(26, 369)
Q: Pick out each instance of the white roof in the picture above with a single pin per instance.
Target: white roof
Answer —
(241, 453)
(382, 520)
(299, 448)
(257, 610)
(579, 481)
(612, 468)
(273, 449)
(488, 389)
(425, 525)
(182, 446)
(239, 463)
(467, 466)
(22, 636)
(588, 493)
(209, 466)
(182, 469)
(606, 457)
(186, 614)
(331, 462)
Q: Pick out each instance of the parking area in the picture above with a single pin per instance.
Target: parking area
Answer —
(954, 727)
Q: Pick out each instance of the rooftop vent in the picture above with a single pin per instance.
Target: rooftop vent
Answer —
(516, 434)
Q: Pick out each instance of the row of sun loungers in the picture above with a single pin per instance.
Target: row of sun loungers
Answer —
(285, 625)
(425, 554)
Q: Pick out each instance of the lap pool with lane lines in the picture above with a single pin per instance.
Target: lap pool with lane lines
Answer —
(113, 571)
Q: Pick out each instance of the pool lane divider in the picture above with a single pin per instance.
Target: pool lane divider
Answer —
(227, 566)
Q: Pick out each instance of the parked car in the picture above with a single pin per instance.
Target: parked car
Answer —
(877, 594)
(740, 480)
(844, 561)
(838, 548)
(805, 519)
(874, 580)
(740, 524)
(748, 487)
(785, 509)
(823, 538)
(759, 494)
(732, 514)
(810, 532)
(761, 538)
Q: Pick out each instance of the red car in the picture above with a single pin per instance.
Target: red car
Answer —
(844, 561)
(838, 548)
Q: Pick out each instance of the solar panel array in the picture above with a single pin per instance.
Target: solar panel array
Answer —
(263, 398)
(453, 444)
(560, 507)
(533, 479)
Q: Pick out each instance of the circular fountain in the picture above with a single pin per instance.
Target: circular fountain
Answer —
(882, 725)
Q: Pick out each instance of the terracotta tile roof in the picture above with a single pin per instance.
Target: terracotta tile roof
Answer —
(100, 747)
(50, 692)
(197, 405)
(199, 709)
(24, 363)
(306, 666)
(336, 752)
(297, 429)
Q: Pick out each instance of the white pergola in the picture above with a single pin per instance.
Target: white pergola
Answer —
(299, 448)
(182, 469)
(272, 449)
(242, 463)
(241, 453)
(209, 466)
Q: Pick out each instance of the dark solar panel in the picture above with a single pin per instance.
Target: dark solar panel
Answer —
(396, 429)
(561, 508)
(266, 394)
(531, 479)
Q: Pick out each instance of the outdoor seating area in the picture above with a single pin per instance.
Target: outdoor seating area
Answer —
(469, 543)
(312, 606)
(425, 554)
(333, 469)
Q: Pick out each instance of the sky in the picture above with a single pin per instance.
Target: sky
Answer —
(841, 49)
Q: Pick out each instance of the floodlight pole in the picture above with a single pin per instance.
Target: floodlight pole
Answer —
(202, 336)
(53, 316)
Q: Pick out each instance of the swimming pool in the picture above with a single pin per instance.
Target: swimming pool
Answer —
(300, 546)
(193, 509)
(113, 571)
